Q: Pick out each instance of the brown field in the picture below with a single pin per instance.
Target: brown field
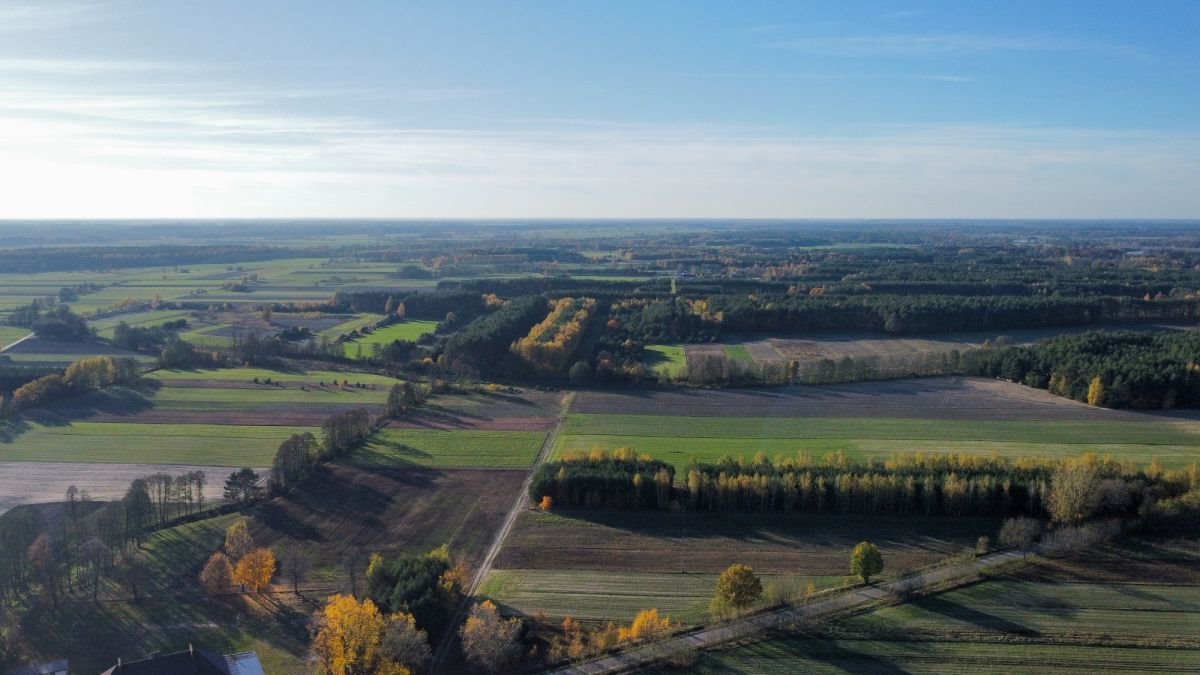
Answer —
(704, 543)
(39, 482)
(391, 510)
(52, 347)
(522, 410)
(942, 398)
(894, 350)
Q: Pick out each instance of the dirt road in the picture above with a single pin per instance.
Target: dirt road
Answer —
(489, 558)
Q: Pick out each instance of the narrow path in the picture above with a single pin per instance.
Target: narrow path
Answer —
(489, 558)
(4, 348)
(704, 638)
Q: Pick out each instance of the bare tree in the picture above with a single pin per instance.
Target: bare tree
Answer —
(296, 564)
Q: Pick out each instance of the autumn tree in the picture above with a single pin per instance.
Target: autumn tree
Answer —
(738, 587)
(1095, 394)
(237, 540)
(95, 556)
(1072, 487)
(646, 625)
(865, 561)
(489, 641)
(405, 644)
(347, 635)
(255, 569)
(217, 575)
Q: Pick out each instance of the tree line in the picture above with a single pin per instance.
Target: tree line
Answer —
(1070, 490)
(1122, 369)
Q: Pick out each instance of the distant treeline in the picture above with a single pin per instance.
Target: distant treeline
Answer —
(53, 323)
(1121, 369)
(71, 258)
(138, 338)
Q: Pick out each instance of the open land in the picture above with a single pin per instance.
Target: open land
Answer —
(874, 419)
(565, 563)
(1131, 608)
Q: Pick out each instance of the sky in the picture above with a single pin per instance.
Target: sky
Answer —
(606, 109)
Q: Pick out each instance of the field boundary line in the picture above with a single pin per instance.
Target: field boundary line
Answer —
(485, 567)
(704, 638)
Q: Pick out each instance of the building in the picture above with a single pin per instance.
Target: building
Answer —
(191, 662)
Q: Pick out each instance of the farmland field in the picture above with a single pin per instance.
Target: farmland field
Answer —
(673, 558)
(406, 330)
(1133, 609)
(872, 420)
(149, 319)
(438, 448)
(42, 351)
(665, 359)
(9, 334)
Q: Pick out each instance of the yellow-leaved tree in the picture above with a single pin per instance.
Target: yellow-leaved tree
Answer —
(647, 625)
(347, 634)
(1096, 391)
(255, 569)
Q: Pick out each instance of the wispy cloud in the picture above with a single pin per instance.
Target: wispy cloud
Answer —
(85, 66)
(913, 45)
(46, 14)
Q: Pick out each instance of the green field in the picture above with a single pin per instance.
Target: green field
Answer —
(437, 448)
(615, 596)
(357, 322)
(310, 377)
(195, 444)
(666, 360)
(1001, 626)
(64, 359)
(104, 327)
(681, 439)
(739, 353)
(10, 334)
(409, 330)
(209, 398)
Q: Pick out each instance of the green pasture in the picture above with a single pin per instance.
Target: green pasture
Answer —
(124, 443)
(104, 327)
(665, 359)
(680, 439)
(357, 322)
(409, 330)
(10, 334)
(999, 626)
(463, 449)
(739, 353)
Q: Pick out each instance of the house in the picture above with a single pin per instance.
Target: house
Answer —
(191, 662)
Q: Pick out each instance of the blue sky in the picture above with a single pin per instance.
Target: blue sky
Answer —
(599, 109)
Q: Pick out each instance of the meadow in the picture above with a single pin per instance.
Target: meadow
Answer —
(1053, 616)
(666, 360)
(409, 330)
(608, 565)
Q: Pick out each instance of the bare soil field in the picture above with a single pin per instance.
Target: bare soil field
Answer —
(953, 398)
(523, 410)
(42, 482)
(344, 508)
(900, 349)
(705, 543)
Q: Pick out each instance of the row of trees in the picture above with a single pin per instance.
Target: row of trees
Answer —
(599, 479)
(145, 338)
(1068, 490)
(484, 343)
(80, 377)
(550, 343)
